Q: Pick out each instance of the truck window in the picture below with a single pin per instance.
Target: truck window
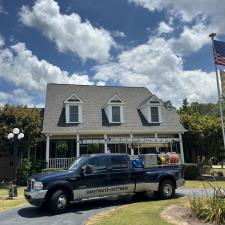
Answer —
(98, 164)
(119, 163)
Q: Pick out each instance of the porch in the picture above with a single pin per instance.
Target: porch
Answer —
(61, 151)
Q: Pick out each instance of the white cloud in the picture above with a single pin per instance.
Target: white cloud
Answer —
(4, 98)
(17, 96)
(191, 39)
(157, 67)
(21, 68)
(2, 10)
(198, 20)
(213, 11)
(68, 32)
(164, 28)
(2, 41)
(118, 34)
(101, 83)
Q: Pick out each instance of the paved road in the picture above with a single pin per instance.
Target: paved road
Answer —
(77, 214)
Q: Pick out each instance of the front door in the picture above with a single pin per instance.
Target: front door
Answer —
(95, 183)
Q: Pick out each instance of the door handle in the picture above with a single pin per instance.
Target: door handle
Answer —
(73, 178)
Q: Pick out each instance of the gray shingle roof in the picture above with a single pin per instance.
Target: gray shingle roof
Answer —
(94, 118)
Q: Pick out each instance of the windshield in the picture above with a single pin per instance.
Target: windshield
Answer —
(79, 162)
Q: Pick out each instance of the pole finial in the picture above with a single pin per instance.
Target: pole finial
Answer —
(212, 35)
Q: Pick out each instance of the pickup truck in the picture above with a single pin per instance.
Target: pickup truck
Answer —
(100, 175)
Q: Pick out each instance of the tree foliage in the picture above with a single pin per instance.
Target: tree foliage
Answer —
(204, 136)
(27, 120)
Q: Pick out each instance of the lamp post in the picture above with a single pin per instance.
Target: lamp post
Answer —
(15, 136)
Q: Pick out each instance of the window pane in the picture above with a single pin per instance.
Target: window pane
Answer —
(74, 113)
(154, 114)
(73, 109)
(119, 162)
(115, 113)
(98, 164)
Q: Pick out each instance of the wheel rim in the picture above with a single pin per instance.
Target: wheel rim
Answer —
(62, 201)
(167, 190)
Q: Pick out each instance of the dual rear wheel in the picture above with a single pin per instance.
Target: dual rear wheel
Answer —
(166, 189)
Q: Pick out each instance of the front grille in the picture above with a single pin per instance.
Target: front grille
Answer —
(30, 184)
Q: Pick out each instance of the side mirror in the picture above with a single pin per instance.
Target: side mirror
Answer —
(88, 169)
(82, 171)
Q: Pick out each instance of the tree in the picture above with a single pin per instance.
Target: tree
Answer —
(203, 136)
(185, 106)
(27, 120)
(168, 104)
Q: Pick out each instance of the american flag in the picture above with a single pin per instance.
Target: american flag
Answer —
(219, 52)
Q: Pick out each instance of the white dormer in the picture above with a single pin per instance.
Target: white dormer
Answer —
(151, 108)
(114, 110)
(73, 109)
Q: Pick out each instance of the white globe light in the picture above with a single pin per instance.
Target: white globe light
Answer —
(16, 130)
(10, 135)
(20, 136)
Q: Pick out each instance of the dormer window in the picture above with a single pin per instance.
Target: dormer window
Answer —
(73, 113)
(114, 110)
(73, 109)
(151, 109)
(154, 114)
(116, 114)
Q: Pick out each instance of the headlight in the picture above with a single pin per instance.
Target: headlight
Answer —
(38, 185)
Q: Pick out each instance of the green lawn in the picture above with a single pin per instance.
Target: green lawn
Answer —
(145, 213)
(217, 169)
(11, 203)
(199, 184)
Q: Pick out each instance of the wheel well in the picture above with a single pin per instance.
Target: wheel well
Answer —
(60, 187)
(168, 178)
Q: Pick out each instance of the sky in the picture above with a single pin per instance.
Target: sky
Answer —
(159, 44)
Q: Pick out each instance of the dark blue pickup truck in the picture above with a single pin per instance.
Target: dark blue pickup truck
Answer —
(100, 175)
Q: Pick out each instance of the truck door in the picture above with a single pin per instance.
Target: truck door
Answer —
(95, 183)
(121, 178)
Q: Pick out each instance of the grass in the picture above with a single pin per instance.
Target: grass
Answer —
(218, 169)
(6, 203)
(145, 213)
(199, 184)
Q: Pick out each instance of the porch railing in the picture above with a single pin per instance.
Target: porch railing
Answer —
(57, 163)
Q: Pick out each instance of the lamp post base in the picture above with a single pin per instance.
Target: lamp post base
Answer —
(13, 190)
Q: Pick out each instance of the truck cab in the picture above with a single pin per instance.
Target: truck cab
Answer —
(99, 175)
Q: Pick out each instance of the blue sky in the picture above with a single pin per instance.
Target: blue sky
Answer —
(162, 45)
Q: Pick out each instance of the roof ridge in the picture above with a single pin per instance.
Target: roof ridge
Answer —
(99, 86)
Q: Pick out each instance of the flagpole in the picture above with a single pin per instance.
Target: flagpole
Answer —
(212, 35)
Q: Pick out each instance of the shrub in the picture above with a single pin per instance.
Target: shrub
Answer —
(220, 173)
(28, 168)
(191, 171)
(205, 169)
(211, 209)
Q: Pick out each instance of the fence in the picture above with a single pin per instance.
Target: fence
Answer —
(58, 163)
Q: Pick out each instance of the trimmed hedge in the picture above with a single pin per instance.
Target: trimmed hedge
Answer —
(191, 171)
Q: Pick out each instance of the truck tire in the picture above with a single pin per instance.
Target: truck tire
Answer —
(59, 201)
(166, 189)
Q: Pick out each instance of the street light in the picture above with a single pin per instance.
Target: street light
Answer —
(15, 136)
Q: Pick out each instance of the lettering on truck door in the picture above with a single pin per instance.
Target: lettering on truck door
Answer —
(120, 179)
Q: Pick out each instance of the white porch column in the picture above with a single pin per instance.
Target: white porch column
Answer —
(157, 148)
(105, 144)
(181, 148)
(78, 146)
(131, 150)
(47, 150)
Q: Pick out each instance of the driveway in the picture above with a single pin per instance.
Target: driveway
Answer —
(77, 214)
